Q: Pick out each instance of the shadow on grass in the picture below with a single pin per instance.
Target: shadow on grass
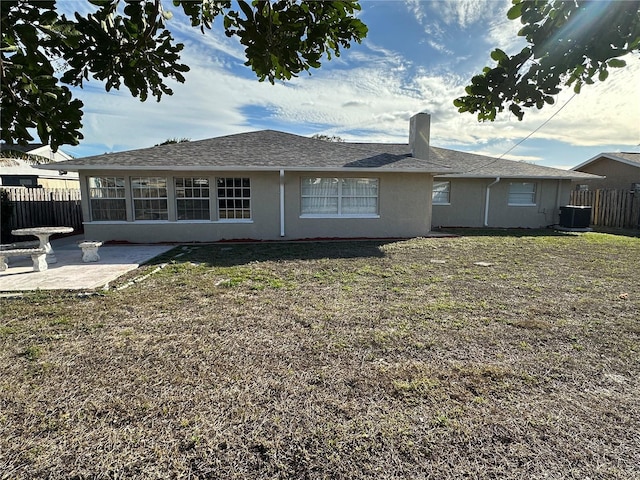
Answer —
(526, 232)
(232, 254)
(624, 232)
(507, 232)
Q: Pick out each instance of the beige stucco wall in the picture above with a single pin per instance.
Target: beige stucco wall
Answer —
(404, 211)
(468, 196)
(619, 175)
(66, 183)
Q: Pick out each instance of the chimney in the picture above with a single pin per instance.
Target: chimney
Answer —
(419, 127)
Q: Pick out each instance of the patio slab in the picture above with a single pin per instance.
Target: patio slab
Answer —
(71, 273)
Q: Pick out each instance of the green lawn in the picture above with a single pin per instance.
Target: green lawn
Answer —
(338, 360)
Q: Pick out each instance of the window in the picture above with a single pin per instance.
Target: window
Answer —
(339, 196)
(319, 196)
(358, 196)
(149, 196)
(635, 187)
(582, 188)
(234, 198)
(522, 194)
(107, 199)
(441, 192)
(11, 181)
(192, 198)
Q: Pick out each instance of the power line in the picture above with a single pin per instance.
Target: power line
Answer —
(541, 125)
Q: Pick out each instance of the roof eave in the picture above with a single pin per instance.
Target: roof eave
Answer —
(236, 168)
(610, 156)
(538, 177)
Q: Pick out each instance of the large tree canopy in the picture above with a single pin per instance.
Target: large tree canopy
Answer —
(129, 43)
(570, 43)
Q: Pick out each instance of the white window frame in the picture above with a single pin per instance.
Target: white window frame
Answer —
(110, 190)
(340, 196)
(513, 196)
(163, 213)
(436, 193)
(244, 184)
(193, 191)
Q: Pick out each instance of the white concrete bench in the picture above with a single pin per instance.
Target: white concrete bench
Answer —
(16, 245)
(90, 250)
(38, 256)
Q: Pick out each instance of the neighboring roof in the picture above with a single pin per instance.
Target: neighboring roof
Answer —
(268, 150)
(628, 158)
(264, 150)
(40, 152)
(471, 165)
(18, 167)
(20, 148)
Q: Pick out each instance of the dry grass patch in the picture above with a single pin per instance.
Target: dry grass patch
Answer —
(335, 360)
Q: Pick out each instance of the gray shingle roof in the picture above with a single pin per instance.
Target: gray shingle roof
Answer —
(271, 150)
(471, 165)
(630, 158)
(261, 150)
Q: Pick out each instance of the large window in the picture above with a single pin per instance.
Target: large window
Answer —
(441, 193)
(149, 196)
(522, 194)
(234, 198)
(192, 198)
(107, 199)
(339, 196)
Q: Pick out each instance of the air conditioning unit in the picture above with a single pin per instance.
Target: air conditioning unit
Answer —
(575, 216)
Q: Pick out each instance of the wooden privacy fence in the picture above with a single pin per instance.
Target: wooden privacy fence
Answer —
(36, 207)
(610, 208)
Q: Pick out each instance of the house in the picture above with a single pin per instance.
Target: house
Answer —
(494, 192)
(17, 167)
(622, 172)
(271, 185)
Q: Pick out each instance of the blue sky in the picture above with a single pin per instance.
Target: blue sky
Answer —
(418, 56)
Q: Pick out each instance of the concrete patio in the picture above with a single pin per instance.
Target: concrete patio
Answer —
(71, 273)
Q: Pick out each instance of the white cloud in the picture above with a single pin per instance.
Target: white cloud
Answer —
(416, 8)
(604, 113)
(211, 44)
(466, 12)
(501, 32)
(468, 17)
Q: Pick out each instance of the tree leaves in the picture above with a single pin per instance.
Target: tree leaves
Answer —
(133, 49)
(569, 43)
(616, 63)
(498, 55)
(283, 38)
(515, 11)
(32, 98)
(127, 44)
